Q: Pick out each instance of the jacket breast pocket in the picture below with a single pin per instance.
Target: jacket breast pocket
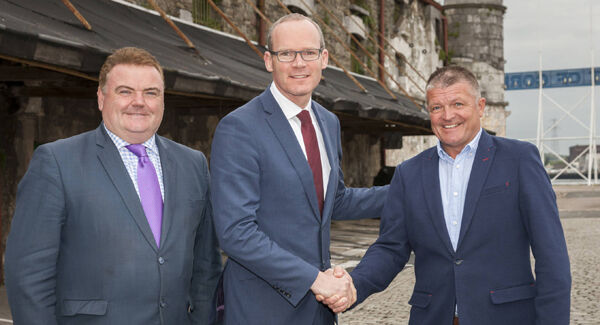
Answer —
(84, 307)
(420, 299)
(523, 292)
(495, 189)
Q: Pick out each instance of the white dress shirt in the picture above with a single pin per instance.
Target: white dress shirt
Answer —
(290, 110)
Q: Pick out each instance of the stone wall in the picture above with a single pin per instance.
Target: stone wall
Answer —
(411, 146)
(171, 7)
(413, 35)
(361, 160)
(240, 11)
(476, 30)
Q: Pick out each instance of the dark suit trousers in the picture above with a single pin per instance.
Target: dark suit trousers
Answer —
(324, 316)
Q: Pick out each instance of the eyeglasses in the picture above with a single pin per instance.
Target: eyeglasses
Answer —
(289, 56)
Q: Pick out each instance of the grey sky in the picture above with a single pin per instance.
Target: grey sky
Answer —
(563, 27)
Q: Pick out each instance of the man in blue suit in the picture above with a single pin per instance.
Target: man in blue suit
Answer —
(114, 226)
(277, 183)
(471, 209)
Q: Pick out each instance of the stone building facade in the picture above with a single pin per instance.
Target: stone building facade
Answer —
(419, 36)
(414, 30)
(475, 41)
(416, 44)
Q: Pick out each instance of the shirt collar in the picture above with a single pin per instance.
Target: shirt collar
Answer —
(120, 143)
(289, 108)
(470, 147)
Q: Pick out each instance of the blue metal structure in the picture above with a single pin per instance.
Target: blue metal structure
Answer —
(551, 79)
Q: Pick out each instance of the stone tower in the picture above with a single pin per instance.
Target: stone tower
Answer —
(475, 41)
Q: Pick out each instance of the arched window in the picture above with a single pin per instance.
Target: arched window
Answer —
(401, 62)
(355, 65)
(304, 7)
(201, 14)
(297, 10)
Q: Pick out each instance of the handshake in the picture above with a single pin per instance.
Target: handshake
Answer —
(335, 289)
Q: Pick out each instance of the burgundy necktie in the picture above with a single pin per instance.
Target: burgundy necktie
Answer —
(149, 189)
(312, 154)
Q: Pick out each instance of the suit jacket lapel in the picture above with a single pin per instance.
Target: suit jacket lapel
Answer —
(169, 168)
(329, 149)
(484, 158)
(433, 196)
(113, 165)
(284, 134)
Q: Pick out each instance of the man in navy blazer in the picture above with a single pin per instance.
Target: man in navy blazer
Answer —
(471, 209)
(276, 185)
(81, 249)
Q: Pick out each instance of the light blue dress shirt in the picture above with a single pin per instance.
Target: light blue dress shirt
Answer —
(454, 178)
(131, 160)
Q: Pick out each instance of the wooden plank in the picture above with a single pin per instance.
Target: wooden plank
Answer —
(14, 73)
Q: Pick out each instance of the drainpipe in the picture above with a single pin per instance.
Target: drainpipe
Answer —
(445, 32)
(262, 34)
(381, 40)
(1, 233)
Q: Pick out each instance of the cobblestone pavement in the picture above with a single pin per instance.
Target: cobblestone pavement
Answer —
(580, 215)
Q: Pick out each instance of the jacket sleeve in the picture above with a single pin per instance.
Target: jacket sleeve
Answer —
(236, 172)
(207, 263)
(537, 203)
(34, 241)
(388, 255)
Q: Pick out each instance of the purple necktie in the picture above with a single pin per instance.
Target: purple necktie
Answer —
(149, 190)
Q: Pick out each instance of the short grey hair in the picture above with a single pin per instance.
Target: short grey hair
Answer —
(447, 76)
(293, 17)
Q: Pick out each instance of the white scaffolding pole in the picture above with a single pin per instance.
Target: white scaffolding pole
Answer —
(591, 177)
(592, 156)
(540, 117)
(592, 161)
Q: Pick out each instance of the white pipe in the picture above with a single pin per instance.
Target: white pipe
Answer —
(592, 157)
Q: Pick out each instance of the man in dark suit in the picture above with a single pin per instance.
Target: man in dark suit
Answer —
(114, 226)
(471, 209)
(277, 183)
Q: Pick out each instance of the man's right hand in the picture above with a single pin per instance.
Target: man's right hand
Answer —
(335, 288)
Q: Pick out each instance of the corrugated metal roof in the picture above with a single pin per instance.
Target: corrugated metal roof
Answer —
(46, 31)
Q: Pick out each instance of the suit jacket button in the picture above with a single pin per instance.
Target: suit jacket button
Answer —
(163, 304)
(161, 260)
(458, 262)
